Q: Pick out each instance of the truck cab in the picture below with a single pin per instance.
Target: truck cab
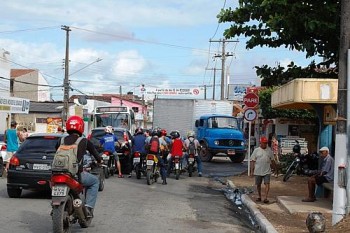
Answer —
(219, 135)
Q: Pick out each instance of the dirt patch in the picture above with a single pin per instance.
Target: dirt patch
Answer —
(280, 218)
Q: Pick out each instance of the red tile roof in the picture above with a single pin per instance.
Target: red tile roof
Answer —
(19, 72)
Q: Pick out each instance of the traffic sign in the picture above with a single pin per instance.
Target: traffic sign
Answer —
(251, 100)
(250, 114)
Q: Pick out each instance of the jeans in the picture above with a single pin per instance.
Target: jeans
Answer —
(198, 161)
(91, 184)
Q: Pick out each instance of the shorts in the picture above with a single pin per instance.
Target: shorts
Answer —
(116, 156)
(9, 156)
(320, 180)
(259, 179)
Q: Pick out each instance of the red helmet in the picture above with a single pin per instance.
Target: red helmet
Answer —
(75, 123)
(163, 132)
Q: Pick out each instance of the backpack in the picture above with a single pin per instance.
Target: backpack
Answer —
(65, 158)
(192, 147)
(154, 145)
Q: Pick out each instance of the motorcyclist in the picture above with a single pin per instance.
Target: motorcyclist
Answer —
(176, 148)
(155, 136)
(191, 139)
(108, 143)
(75, 129)
(164, 144)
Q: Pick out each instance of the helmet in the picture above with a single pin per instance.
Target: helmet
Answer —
(75, 124)
(109, 129)
(175, 134)
(139, 130)
(156, 133)
(263, 139)
(163, 132)
(190, 134)
(296, 148)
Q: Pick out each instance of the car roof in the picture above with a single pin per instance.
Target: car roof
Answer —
(47, 134)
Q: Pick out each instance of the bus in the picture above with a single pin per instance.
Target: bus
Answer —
(115, 116)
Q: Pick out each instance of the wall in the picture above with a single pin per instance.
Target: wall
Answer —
(4, 86)
(43, 91)
(26, 91)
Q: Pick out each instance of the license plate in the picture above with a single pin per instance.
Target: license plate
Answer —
(150, 162)
(41, 167)
(105, 157)
(59, 190)
(136, 160)
(231, 152)
(190, 159)
(177, 166)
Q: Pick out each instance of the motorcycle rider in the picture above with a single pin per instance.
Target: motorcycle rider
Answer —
(75, 129)
(164, 145)
(191, 139)
(155, 136)
(176, 148)
(108, 143)
(139, 143)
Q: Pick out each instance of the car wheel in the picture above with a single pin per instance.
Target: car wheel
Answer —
(14, 192)
(238, 158)
(204, 153)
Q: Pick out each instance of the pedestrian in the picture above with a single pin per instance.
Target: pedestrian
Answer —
(275, 150)
(24, 134)
(326, 175)
(261, 160)
(11, 138)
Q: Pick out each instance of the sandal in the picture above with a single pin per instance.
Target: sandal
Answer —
(120, 176)
(258, 199)
(266, 201)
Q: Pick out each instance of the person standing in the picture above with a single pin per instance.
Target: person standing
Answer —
(326, 175)
(11, 139)
(261, 160)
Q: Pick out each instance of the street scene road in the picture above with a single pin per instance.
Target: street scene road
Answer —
(195, 204)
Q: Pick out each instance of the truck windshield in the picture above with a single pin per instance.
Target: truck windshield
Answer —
(222, 122)
(112, 119)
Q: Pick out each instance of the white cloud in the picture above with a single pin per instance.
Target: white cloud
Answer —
(128, 64)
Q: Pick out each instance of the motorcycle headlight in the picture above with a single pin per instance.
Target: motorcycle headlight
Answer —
(216, 142)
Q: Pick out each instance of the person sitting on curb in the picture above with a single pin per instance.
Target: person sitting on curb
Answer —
(261, 160)
(326, 175)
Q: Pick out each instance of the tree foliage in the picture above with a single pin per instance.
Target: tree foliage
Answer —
(310, 26)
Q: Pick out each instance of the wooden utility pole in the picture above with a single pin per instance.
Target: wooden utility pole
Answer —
(66, 76)
(223, 56)
(214, 81)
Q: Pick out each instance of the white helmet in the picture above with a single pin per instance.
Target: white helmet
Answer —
(109, 129)
(190, 134)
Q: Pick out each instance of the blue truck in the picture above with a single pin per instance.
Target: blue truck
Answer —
(220, 135)
(216, 129)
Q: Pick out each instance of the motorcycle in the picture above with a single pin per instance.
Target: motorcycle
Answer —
(68, 198)
(191, 164)
(303, 165)
(139, 164)
(175, 166)
(108, 164)
(152, 169)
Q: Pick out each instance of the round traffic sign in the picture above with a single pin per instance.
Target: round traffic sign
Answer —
(250, 114)
(251, 100)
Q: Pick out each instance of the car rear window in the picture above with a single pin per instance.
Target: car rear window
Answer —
(39, 144)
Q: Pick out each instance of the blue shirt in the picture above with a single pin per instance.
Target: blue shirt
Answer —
(11, 140)
(139, 143)
(108, 142)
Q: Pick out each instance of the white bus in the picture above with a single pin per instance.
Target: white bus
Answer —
(115, 116)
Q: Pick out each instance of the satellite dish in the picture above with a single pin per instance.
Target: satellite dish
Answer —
(82, 100)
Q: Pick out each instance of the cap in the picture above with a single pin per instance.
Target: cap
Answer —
(263, 139)
(324, 149)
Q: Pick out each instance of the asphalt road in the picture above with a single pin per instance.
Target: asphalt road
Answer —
(195, 204)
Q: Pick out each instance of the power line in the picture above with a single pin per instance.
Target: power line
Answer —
(34, 84)
(28, 29)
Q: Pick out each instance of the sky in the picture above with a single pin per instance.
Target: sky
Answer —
(161, 44)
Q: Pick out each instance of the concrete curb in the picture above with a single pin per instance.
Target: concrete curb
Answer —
(264, 224)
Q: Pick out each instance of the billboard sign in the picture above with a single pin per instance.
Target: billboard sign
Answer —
(237, 91)
(14, 105)
(173, 91)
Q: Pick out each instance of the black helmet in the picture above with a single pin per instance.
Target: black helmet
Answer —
(296, 148)
(156, 133)
(139, 130)
(175, 134)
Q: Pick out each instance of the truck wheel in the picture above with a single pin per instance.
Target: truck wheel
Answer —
(238, 158)
(204, 153)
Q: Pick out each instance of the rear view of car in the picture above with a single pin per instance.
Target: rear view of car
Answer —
(30, 166)
(3, 153)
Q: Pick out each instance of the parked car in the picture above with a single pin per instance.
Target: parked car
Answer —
(3, 153)
(30, 166)
(123, 149)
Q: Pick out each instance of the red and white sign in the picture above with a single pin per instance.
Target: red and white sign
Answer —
(251, 100)
(250, 114)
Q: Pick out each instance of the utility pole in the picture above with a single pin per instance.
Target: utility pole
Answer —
(223, 56)
(205, 90)
(66, 74)
(214, 82)
(120, 95)
(341, 194)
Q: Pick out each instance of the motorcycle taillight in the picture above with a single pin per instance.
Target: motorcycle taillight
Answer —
(106, 153)
(150, 157)
(66, 179)
(137, 154)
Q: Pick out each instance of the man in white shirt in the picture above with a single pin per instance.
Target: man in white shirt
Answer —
(261, 160)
